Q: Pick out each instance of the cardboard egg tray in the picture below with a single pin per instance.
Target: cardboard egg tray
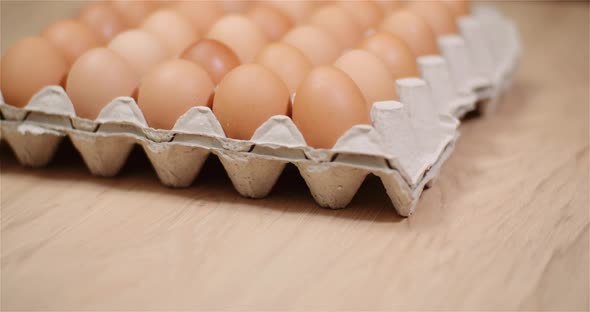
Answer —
(405, 146)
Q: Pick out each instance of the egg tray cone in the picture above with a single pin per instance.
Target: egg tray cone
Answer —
(405, 146)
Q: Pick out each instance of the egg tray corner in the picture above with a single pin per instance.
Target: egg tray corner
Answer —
(405, 146)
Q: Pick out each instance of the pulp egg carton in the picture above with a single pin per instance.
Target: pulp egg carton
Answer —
(405, 146)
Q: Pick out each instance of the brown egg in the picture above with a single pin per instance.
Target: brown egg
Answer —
(458, 7)
(246, 42)
(388, 6)
(133, 12)
(438, 16)
(142, 50)
(327, 104)
(366, 13)
(28, 66)
(413, 30)
(103, 20)
(246, 98)
(166, 3)
(72, 38)
(171, 89)
(339, 23)
(395, 53)
(272, 21)
(215, 57)
(370, 74)
(235, 6)
(287, 62)
(202, 14)
(315, 43)
(98, 77)
(175, 31)
(297, 10)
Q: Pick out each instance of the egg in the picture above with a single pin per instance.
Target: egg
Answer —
(133, 12)
(202, 14)
(272, 21)
(287, 62)
(235, 6)
(297, 10)
(246, 42)
(171, 89)
(370, 74)
(72, 38)
(247, 97)
(175, 31)
(438, 16)
(142, 50)
(394, 52)
(166, 3)
(339, 23)
(98, 77)
(366, 13)
(28, 66)
(413, 30)
(387, 6)
(103, 20)
(215, 57)
(458, 7)
(327, 104)
(316, 44)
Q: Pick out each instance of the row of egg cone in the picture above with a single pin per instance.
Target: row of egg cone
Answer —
(246, 60)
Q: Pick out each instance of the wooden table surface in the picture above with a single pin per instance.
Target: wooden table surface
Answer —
(505, 227)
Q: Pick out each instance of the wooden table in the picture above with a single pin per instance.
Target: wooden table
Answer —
(505, 227)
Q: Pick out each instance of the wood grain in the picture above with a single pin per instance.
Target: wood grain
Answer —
(506, 226)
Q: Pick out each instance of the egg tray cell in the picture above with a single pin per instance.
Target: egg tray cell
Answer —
(405, 146)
